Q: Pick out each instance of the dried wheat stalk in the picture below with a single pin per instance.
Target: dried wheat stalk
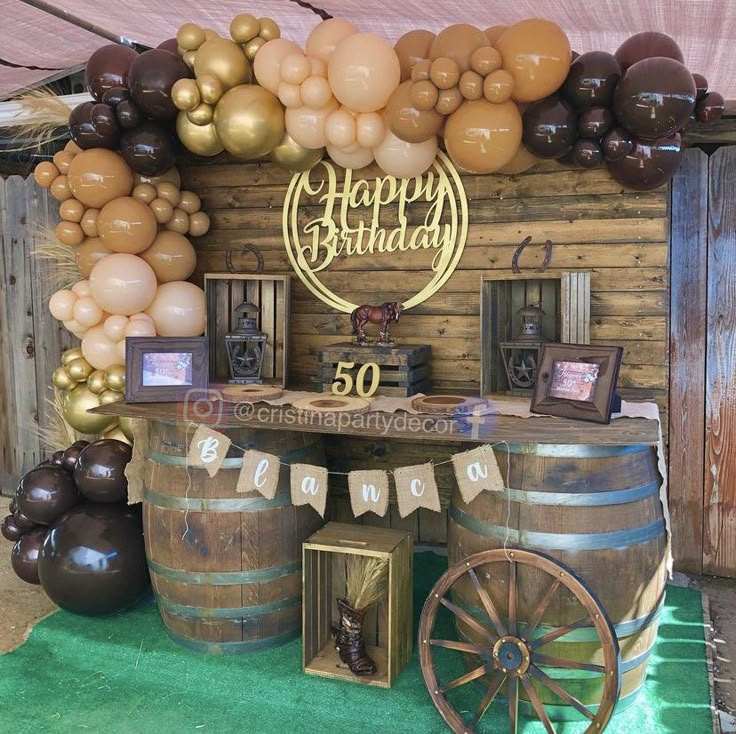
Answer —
(367, 580)
(44, 118)
(65, 272)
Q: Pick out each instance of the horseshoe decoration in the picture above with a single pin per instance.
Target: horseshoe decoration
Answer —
(547, 256)
(247, 248)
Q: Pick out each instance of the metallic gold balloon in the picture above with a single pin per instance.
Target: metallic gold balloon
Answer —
(199, 139)
(249, 121)
(75, 406)
(223, 59)
(109, 396)
(290, 156)
(269, 29)
(96, 382)
(62, 380)
(190, 37)
(253, 47)
(119, 435)
(244, 27)
(126, 427)
(79, 369)
(115, 377)
(71, 354)
(210, 88)
(185, 94)
(188, 58)
(201, 115)
(210, 34)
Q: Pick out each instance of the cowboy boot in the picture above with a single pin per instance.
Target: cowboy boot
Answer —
(349, 641)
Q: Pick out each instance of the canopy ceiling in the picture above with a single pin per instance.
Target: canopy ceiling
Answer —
(35, 45)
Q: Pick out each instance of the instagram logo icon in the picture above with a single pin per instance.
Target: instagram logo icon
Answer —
(202, 406)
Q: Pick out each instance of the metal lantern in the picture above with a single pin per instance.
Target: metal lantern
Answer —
(521, 354)
(245, 346)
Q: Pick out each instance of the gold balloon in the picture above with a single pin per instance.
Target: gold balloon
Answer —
(118, 434)
(223, 59)
(115, 377)
(71, 354)
(79, 369)
(199, 139)
(210, 34)
(201, 115)
(109, 396)
(210, 88)
(290, 156)
(75, 406)
(188, 58)
(190, 37)
(185, 94)
(62, 380)
(126, 427)
(244, 27)
(253, 47)
(269, 29)
(249, 121)
(96, 382)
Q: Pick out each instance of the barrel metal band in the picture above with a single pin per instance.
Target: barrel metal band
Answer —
(233, 648)
(225, 578)
(571, 451)
(561, 712)
(535, 540)
(585, 499)
(195, 504)
(235, 613)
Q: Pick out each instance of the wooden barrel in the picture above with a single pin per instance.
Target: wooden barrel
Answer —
(225, 566)
(597, 510)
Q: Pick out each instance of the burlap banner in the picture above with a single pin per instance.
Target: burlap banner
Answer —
(416, 487)
(208, 449)
(260, 473)
(368, 492)
(477, 470)
(309, 486)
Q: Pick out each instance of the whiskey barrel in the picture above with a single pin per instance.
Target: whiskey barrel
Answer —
(225, 566)
(597, 510)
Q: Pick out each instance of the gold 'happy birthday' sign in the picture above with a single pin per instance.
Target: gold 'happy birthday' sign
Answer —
(349, 223)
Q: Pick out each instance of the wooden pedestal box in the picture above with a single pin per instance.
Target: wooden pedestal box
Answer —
(388, 624)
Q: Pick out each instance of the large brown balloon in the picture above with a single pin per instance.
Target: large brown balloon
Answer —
(170, 44)
(93, 560)
(406, 121)
(411, 48)
(45, 493)
(85, 130)
(127, 225)
(647, 45)
(97, 176)
(100, 471)
(595, 122)
(9, 530)
(592, 80)
(108, 67)
(550, 127)
(171, 256)
(587, 153)
(655, 98)
(710, 108)
(25, 555)
(650, 164)
(151, 76)
(457, 42)
(148, 149)
(89, 253)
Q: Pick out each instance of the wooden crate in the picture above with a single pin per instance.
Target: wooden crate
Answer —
(388, 624)
(405, 370)
(224, 292)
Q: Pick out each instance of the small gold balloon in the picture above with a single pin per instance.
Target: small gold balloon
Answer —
(253, 47)
(185, 94)
(201, 115)
(75, 406)
(210, 34)
(199, 139)
(79, 369)
(290, 156)
(96, 382)
(223, 59)
(109, 396)
(210, 88)
(188, 58)
(126, 426)
(249, 121)
(269, 29)
(71, 354)
(190, 37)
(244, 27)
(119, 435)
(115, 378)
(62, 380)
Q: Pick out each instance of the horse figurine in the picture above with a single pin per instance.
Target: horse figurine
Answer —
(384, 314)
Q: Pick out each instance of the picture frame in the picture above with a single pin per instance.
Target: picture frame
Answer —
(577, 381)
(165, 369)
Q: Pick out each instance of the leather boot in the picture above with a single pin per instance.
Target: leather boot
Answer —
(349, 641)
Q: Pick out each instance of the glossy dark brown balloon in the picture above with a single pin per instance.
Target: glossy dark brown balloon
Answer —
(701, 85)
(592, 80)
(647, 45)
(710, 108)
(148, 149)
(654, 98)
(128, 115)
(13, 506)
(115, 96)
(23, 521)
(550, 127)
(170, 44)
(93, 561)
(85, 133)
(57, 458)
(596, 122)
(107, 68)
(46, 493)
(100, 471)
(71, 455)
(104, 120)
(9, 530)
(617, 144)
(587, 153)
(650, 164)
(25, 554)
(152, 75)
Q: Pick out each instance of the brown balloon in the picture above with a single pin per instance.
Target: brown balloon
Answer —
(647, 45)
(617, 144)
(595, 122)
(424, 95)
(127, 225)
(650, 164)
(412, 48)
(701, 86)
(550, 127)
(148, 149)
(69, 233)
(89, 222)
(171, 256)
(710, 108)
(444, 73)
(587, 153)
(152, 74)
(45, 493)
(100, 471)
(25, 555)
(9, 530)
(170, 44)
(97, 176)
(458, 42)
(448, 101)
(107, 68)
(406, 121)
(592, 80)
(471, 85)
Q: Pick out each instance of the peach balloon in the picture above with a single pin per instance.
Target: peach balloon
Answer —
(87, 312)
(190, 202)
(353, 158)
(120, 349)
(82, 288)
(326, 36)
(458, 42)
(363, 72)
(171, 256)
(317, 67)
(60, 189)
(295, 68)
(115, 326)
(140, 328)
(178, 309)
(471, 85)
(484, 60)
(75, 328)
(142, 316)
(199, 224)
(89, 222)
(537, 52)
(340, 129)
(290, 95)
(127, 225)
(307, 125)
(267, 63)
(73, 148)
(98, 349)
(412, 48)
(123, 284)
(370, 129)
(72, 210)
(406, 121)
(405, 160)
(69, 233)
(482, 137)
(444, 73)
(45, 173)
(61, 304)
(97, 176)
(316, 92)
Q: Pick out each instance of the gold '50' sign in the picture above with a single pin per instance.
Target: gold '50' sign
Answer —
(327, 222)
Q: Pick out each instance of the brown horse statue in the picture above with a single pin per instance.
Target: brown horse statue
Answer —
(384, 314)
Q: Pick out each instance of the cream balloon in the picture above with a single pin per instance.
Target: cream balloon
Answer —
(326, 36)
(340, 129)
(82, 288)
(178, 309)
(370, 129)
(307, 125)
(353, 158)
(140, 328)
(87, 312)
(75, 328)
(98, 349)
(295, 68)
(142, 316)
(123, 284)
(405, 160)
(267, 63)
(61, 304)
(316, 92)
(115, 326)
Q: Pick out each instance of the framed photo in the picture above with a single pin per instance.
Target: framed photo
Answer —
(164, 369)
(577, 381)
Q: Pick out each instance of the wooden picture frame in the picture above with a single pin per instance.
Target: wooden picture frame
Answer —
(576, 381)
(151, 379)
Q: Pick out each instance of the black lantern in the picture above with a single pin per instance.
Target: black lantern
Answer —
(245, 346)
(521, 355)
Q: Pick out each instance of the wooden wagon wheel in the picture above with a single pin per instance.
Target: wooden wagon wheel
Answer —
(511, 650)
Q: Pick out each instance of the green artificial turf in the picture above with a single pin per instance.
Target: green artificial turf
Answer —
(123, 674)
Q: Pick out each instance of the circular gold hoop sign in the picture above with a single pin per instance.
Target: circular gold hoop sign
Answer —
(429, 212)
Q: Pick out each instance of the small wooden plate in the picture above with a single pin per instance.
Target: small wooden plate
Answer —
(251, 393)
(439, 404)
(332, 404)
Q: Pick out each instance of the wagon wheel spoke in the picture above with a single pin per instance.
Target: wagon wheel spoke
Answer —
(488, 605)
(463, 679)
(512, 599)
(513, 703)
(551, 662)
(538, 705)
(497, 680)
(461, 646)
(559, 632)
(557, 689)
(531, 625)
(467, 619)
